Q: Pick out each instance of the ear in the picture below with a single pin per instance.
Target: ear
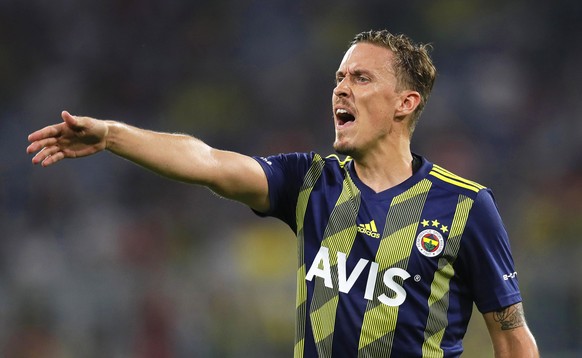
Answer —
(409, 101)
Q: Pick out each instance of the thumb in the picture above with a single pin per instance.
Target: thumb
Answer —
(71, 121)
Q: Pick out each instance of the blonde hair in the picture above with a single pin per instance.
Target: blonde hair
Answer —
(412, 64)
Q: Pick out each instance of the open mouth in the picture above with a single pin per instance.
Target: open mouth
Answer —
(343, 116)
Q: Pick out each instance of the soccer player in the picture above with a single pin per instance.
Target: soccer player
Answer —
(392, 250)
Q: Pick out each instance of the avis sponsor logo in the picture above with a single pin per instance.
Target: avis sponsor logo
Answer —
(321, 268)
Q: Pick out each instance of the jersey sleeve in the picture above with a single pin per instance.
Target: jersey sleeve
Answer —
(487, 257)
(285, 173)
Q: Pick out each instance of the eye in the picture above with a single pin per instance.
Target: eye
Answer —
(362, 79)
(338, 80)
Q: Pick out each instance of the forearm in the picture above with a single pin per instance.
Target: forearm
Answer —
(518, 348)
(185, 158)
(510, 334)
(176, 156)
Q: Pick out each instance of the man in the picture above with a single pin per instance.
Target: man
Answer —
(392, 250)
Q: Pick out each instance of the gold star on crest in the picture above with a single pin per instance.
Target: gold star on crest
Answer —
(435, 223)
(424, 223)
(444, 228)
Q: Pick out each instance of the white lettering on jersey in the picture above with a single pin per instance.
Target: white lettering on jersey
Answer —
(322, 258)
(509, 275)
(321, 268)
(371, 281)
(400, 296)
(345, 285)
(266, 160)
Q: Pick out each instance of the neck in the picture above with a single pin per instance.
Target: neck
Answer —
(384, 169)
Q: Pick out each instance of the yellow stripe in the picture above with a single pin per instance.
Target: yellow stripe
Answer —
(298, 350)
(324, 319)
(338, 236)
(454, 182)
(431, 241)
(341, 241)
(342, 163)
(440, 286)
(453, 176)
(309, 181)
(438, 301)
(420, 188)
(312, 175)
(401, 224)
(373, 224)
(434, 351)
(397, 245)
(301, 287)
(380, 320)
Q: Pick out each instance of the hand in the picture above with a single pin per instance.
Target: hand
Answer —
(75, 137)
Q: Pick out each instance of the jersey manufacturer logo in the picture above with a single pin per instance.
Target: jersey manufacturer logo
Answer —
(430, 242)
(369, 229)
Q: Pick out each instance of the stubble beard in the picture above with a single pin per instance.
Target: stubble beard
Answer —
(344, 148)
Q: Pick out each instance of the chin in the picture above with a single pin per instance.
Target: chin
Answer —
(344, 149)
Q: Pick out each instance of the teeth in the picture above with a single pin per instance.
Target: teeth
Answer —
(341, 111)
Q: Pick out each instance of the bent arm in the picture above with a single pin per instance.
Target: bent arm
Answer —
(176, 156)
(509, 333)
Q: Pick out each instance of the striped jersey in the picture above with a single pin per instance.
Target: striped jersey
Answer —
(389, 274)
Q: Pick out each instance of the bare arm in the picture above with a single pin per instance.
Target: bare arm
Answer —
(176, 156)
(509, 333)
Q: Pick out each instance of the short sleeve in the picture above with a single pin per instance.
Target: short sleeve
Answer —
(487, 257)
(285, 173)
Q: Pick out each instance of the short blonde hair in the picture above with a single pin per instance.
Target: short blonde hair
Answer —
(412, 64)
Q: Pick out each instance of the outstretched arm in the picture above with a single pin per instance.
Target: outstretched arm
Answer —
(509, 333)
(176, 156)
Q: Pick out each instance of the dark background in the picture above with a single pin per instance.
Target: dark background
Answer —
(99, 258)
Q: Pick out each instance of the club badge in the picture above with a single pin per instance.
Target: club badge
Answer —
(430, 242)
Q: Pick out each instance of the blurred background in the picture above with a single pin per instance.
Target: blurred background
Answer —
(99, 258)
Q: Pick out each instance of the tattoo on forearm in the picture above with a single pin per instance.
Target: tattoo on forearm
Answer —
(510, 317)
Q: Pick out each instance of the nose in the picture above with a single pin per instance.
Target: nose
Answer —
(342, 89)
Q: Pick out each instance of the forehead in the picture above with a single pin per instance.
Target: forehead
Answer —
(367, 56)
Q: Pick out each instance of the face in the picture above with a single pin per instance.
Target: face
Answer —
(364, 100)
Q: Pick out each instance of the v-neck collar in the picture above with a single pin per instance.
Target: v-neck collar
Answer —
(390, 193)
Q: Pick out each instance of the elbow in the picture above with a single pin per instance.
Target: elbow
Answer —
(524, 347)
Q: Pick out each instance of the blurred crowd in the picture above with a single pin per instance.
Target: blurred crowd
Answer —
(99, 258)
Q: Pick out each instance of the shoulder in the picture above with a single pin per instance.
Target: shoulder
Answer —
(286, 162)
(483, 217)
(299, 166)
(452, 182)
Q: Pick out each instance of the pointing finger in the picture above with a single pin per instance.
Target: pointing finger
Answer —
(39, 144)
(46, 132)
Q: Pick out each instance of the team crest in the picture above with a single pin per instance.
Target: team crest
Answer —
(430, 243)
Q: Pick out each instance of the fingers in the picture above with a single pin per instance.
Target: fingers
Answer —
(72, 138)
(37, 145)
(48, 156)
(42, 140)
(46, 132)
(56, 129)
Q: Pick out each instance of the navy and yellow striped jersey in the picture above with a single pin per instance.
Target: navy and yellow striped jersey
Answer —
(389, 274)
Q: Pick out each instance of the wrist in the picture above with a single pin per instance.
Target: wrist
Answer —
(112, 129)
